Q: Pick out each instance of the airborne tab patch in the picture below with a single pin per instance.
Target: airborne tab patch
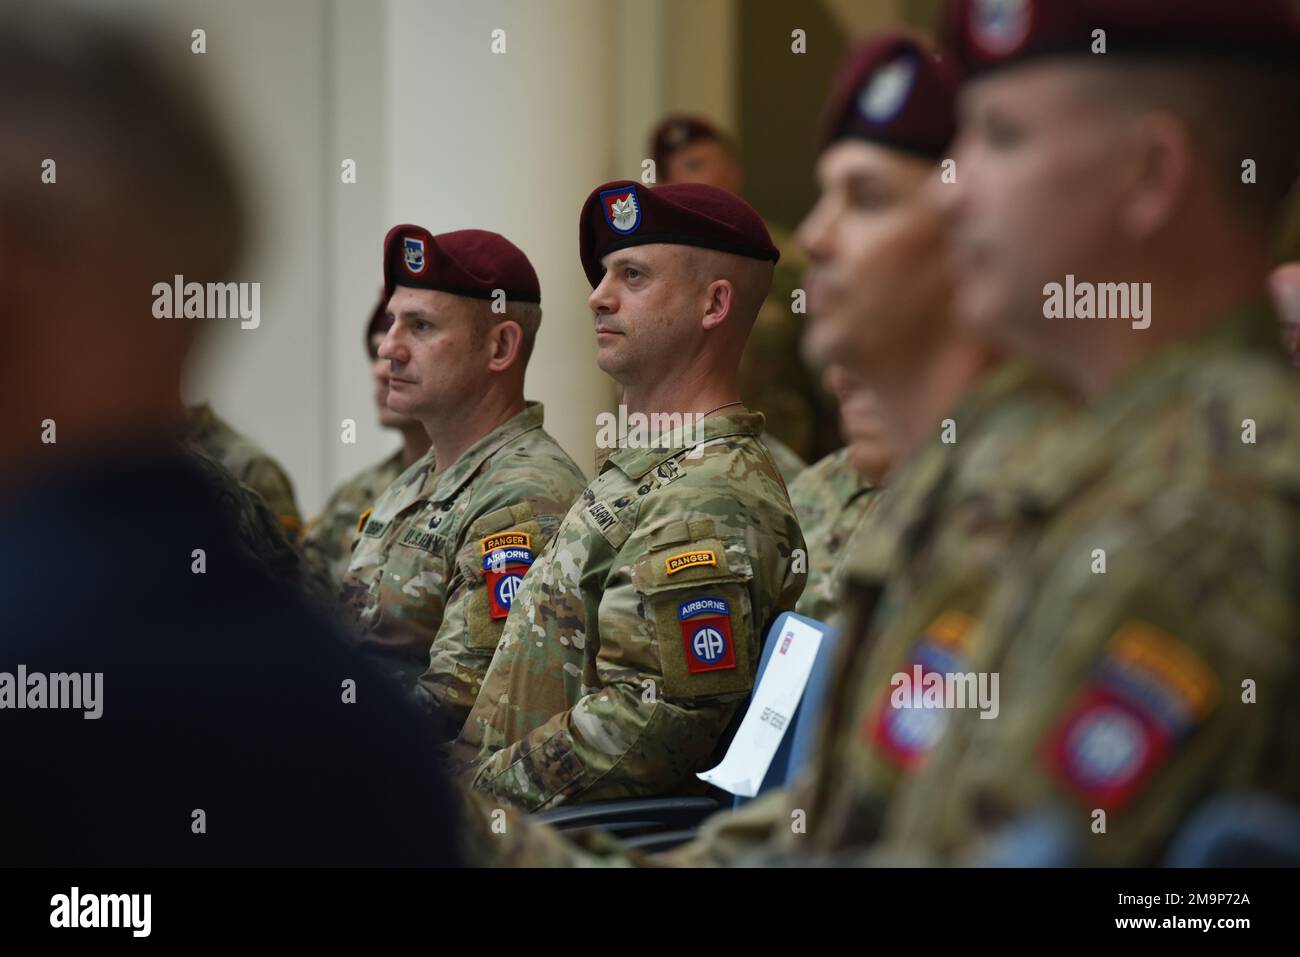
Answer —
(675, 563)
(706, 634)
(505, 568)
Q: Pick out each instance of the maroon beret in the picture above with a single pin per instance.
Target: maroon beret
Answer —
(676, 132)
(379, 321)
(623, 213)
(981, 35)
(894, 91)
(468, 262)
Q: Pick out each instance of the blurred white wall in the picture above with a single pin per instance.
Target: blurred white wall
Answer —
(444, 133)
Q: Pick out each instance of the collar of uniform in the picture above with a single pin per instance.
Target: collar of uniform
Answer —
(845, 482)
(1076, 455)
(635, 463)
(446, 484)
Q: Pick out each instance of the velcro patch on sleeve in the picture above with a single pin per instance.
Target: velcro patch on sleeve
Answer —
(676, 563)
(1143, 699)
(907, 723)
(706, 634)
(505, 568)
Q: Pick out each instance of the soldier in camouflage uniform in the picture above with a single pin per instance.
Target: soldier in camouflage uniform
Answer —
(636, 636)
(327, 540)
(244, 460)
(799, 414)
(946, 514)
(1146, 637)
(439, 556)
(834, 497)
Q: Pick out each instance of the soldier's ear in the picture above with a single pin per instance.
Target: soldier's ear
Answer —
(719, 300)
(504, 344)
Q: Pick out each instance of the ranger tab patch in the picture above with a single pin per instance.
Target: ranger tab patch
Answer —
(706, 634)
(506, 540)
(675, 563)
(505, 567)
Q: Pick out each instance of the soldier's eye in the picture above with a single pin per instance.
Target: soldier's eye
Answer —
(633, 273)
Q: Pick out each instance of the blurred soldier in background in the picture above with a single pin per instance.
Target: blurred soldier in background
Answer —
(221, 701)
(439, 557)
(327, 541)
(800, 416)
(833, 497)
(1284, 285)
(245, 460)
(636, 636)
(1146, 638)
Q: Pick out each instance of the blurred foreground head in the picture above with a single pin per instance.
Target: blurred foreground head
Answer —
(878, 279)
(111, 179)
(1118, 142)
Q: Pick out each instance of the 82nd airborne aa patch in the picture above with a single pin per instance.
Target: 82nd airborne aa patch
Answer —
(706, 634)
(506, 557)
(1149, 693)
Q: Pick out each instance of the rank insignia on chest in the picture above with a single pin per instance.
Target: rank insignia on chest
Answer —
(504, 569)
(706, 635)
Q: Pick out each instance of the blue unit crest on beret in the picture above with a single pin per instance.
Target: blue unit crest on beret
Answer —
(413, 254)
(622, 209)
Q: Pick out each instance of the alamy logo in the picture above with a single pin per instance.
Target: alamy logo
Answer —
(641, 430)
(35, 690)
(1106, 300)
(75, 909)
(215, 300)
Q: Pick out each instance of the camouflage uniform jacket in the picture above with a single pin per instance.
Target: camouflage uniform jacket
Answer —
(327, 540)
(922, 563)
(1146, 639)
(635, 638)
(247, 462)
(832, 501)
(785, 458)
(424, 588)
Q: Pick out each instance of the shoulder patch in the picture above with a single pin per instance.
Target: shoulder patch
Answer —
(505, 568)
(706, 634)
(906, 735)
(1141, 702)
(675, 563)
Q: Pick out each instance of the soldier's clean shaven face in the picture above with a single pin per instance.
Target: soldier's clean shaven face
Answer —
(435, 361)
(877, 265)
(1035, 197)
(379, 372)
(646, 311)
(862, 425)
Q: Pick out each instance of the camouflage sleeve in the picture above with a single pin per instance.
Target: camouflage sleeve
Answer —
(268, 480)
(678, 647)
(1134, 689)
(505, 532)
